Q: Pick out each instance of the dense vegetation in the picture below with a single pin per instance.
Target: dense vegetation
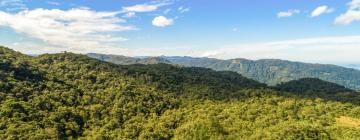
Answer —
(71, 96)
(311, 85)
(271, 72)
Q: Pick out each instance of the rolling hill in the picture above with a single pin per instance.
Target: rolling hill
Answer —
(311, 85)
(269, 71)
(72, 96)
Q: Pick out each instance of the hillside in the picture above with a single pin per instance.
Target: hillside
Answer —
(72, 96)
(272, 71)
(269, 71)
(313, 85)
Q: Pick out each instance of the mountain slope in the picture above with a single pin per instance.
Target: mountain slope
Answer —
(269, 71)
(274, 72)
(311, 85)
(71, 96)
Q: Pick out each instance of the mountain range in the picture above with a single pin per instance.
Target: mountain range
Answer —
(73, 96)
(269, 71)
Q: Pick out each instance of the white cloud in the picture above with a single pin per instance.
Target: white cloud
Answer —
(147, 7)
(162, 21)
(235, 29)
(130, 15)
(140, 8)
(78, 30)
(321, 10)
(183, 10)
(352, 14)
(288, 13)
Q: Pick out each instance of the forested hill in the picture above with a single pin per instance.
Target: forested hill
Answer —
(311, 85)
(269, 71)
(273, 71)
(72, 96)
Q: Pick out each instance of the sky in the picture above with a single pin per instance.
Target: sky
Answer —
(316, 31)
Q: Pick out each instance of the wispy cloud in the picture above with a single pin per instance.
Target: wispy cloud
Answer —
(288, 13)
(53, 3)
(149, 7)
(321, 10)
(77, 30)
(130, 15)
(352, 14)
(130, 11)
(183, 10)
(10, 2)
(167, 11)
(12, 5)
(140, 8)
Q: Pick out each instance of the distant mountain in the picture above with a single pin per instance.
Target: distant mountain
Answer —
(269, 71)
(355, 66)
(273, 71)
(124, 60)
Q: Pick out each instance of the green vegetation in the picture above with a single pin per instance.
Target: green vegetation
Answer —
(71, 96)
(311, 85)
(269, 71)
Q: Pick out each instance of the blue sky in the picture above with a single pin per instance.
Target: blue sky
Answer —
(318, 31)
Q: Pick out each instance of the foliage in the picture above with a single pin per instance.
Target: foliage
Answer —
(311, 85)
(71, 96)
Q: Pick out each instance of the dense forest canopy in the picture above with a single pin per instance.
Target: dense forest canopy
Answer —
(269, 71)
(72, 96)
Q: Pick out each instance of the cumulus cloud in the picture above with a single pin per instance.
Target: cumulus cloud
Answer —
(321, 10)
(288, 13)
(162, 21)
(77, 30)
(352, 14)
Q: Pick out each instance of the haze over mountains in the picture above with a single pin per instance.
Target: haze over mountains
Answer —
(269, 71)
(355, 66)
